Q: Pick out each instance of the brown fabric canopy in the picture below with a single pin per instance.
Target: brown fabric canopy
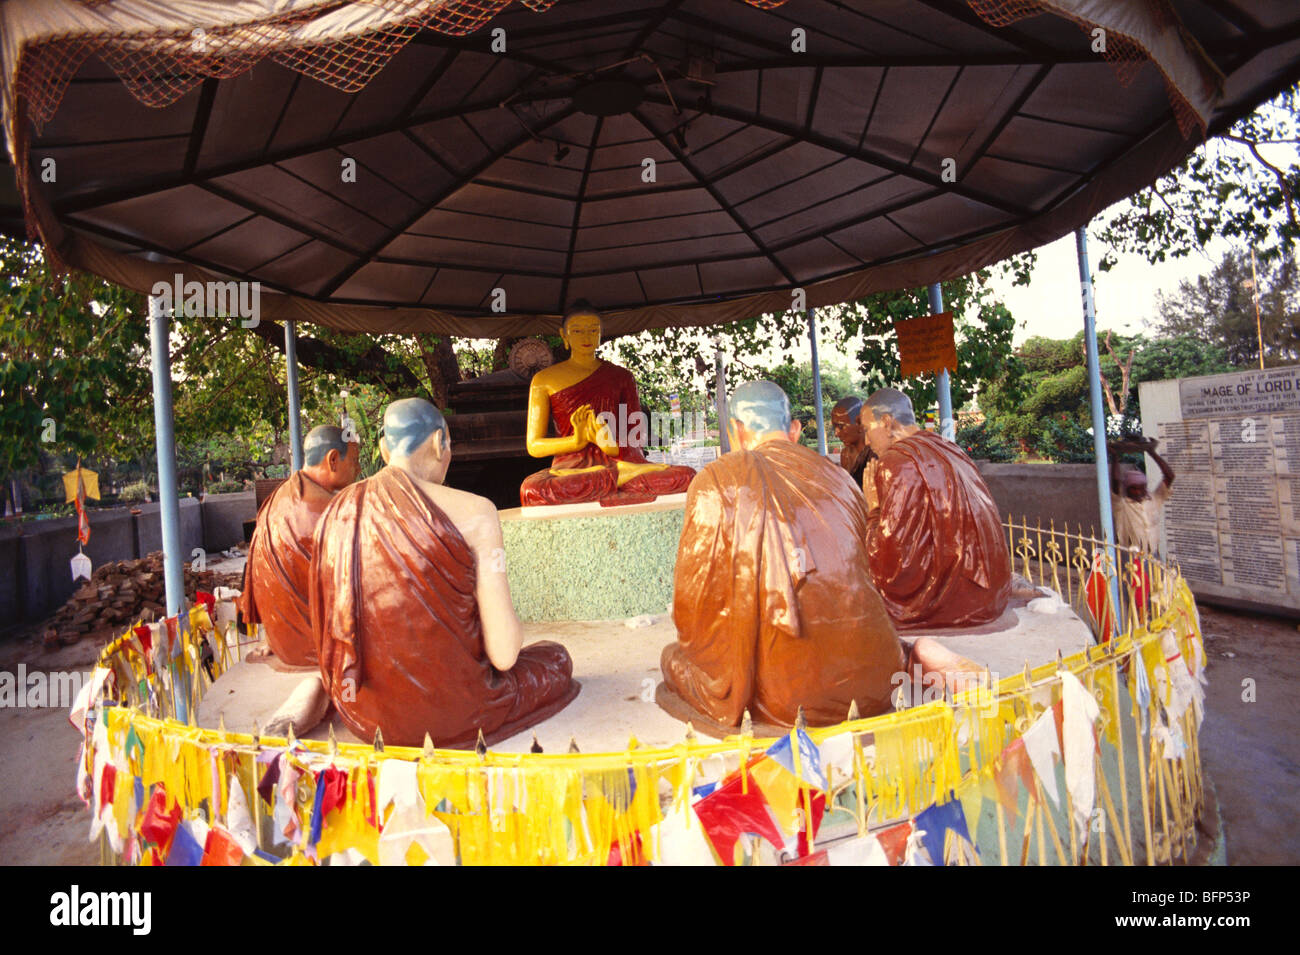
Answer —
(473, 166)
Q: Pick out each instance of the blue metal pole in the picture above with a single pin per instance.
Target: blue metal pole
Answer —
(817, 381)
(168, 496)
(947, 424)
(169, 508)
(291, 376)
(1098, 415)
(720, 398)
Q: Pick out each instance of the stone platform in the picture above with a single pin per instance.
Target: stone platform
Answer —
(618, 666)
(587, 562)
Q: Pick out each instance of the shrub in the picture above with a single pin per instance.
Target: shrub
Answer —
(137, 493)
(985, 441)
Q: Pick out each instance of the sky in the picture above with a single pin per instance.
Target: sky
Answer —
(1051, 305)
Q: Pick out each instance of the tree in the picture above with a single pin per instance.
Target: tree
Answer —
(1241, 186)
(1220, 307)
(73, 363)
(681, 359)
(75, 378)
(1046, 412)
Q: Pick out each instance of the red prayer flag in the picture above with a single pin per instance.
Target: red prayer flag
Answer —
(220, 848)
(107, 780)
(727, 812)
(335, 784)
(894, 841)
(158, 825)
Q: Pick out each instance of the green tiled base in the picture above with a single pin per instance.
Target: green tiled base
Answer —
(594, 566)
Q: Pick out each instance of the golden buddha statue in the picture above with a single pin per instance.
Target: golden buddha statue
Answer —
(582, 396)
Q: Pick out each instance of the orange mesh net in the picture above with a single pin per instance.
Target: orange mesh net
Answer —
(1125, 55)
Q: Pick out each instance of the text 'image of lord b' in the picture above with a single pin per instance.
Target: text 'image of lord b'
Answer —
(772, 600)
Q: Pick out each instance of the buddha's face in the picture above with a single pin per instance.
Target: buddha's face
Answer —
(581, 334)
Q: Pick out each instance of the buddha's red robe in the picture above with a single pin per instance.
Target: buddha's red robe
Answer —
(276, 573)
(609, 389)
(938, 552)
(396, 620)
(771, 597)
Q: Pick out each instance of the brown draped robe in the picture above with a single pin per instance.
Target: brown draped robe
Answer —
(605, 389)
(938, 553)
(277, 571)
(396, 619)
(772, 601)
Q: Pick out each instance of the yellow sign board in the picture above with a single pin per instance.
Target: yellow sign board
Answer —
(926, 344)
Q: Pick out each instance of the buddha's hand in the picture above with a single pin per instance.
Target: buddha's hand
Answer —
(603, 439)
(581, 421)
(589, 429)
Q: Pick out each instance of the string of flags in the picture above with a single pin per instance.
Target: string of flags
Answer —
(925, 786)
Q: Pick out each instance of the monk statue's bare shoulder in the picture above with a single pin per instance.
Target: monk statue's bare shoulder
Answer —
(474, 516)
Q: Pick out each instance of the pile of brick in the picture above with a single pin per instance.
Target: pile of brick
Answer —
(120, 593)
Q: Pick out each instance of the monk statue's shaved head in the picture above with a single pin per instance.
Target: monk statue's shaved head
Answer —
(892, 402)
(850, 406)
(408, 423)
(761, 406)
(320, 441)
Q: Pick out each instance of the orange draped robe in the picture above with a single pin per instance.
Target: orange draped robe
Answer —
(277, 571)
(771, 597)
(605, 389)
(395, 615)
(937, 549)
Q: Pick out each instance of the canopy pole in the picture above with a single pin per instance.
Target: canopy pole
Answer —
(947, 425)
(291, 376)
(720, 398)
(817, 381)
(169, 508)
(1098, 415)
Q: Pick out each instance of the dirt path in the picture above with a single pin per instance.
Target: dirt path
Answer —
(42, 822)
(1250, 750)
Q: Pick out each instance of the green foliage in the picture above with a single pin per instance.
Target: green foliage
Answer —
(73, 363)
(681, 359)
(1219, 307)
(1045, 410)
(986, 441)
(137, 493)
(983, 327)
(1234, 187)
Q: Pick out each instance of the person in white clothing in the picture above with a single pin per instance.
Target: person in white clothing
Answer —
(1138, 512)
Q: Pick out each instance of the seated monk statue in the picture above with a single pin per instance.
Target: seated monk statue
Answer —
(276, 574)
(771, 598)
(581, 396)
(936, 547)
(854, 454)
(411, 608)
